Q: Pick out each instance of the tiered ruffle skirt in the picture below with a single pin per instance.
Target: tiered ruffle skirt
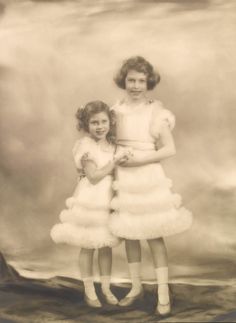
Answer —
(84, 223)
(144, 205)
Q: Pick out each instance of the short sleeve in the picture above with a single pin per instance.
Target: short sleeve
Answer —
(81, 147)
(115, 106)
(161, 117)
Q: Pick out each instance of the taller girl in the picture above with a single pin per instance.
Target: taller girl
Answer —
(144, 206)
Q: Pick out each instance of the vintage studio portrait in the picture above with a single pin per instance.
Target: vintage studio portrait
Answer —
(117, 161)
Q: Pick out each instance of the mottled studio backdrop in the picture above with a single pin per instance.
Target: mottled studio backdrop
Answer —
(57, 55)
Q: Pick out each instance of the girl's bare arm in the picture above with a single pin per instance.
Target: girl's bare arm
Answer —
(95, 174)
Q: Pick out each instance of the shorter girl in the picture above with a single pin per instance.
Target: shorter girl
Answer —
(84, 222)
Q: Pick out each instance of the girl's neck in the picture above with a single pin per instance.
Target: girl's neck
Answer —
(101, 142)
(134, 103)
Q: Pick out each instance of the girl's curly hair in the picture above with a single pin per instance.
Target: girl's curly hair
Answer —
(84, 114)
(139, 64)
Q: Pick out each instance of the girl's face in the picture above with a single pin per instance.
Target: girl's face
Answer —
(136, 85)
(99, 126)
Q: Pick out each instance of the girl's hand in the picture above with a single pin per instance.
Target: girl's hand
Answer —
(122, 156)
(85, 158)
(132, 162)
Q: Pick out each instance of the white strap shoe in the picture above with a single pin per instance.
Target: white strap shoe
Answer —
(95, 303)
(163, 309)
(110, 298)
(130, 300)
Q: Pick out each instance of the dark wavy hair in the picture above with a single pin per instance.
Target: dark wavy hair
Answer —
(139, 64)
(84, 114)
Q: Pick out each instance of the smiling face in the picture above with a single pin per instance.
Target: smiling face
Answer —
(136, 85)
(99, 126)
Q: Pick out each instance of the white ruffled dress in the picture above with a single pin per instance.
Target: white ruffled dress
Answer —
(84, 223)
(144, 206)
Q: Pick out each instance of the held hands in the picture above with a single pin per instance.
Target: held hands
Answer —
(133, 160)
(122, 156)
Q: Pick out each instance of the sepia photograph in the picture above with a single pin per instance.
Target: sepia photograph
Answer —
(117, 161)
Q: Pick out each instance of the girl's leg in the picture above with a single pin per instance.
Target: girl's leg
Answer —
(86, 270)
(159, 254)
(105, 265)
(133, 252)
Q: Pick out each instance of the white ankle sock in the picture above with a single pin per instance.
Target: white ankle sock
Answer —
(134, 270)
(162, 281)
(89, 288)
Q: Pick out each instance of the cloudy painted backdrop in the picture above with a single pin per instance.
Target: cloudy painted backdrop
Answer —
(57, 55)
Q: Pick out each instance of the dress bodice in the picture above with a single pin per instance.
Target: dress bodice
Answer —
(95, 152)
(139, 127)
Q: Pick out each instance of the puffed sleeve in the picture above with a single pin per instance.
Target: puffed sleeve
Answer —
(83, 146)
(161, 117)
(114, 106)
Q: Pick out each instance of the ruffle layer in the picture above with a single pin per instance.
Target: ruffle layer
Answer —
(90, 238)
(150, 225)
(144, 185)
(91, 196)
(157, 201)
(93, 206)
(85, 217)
(143, 178)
